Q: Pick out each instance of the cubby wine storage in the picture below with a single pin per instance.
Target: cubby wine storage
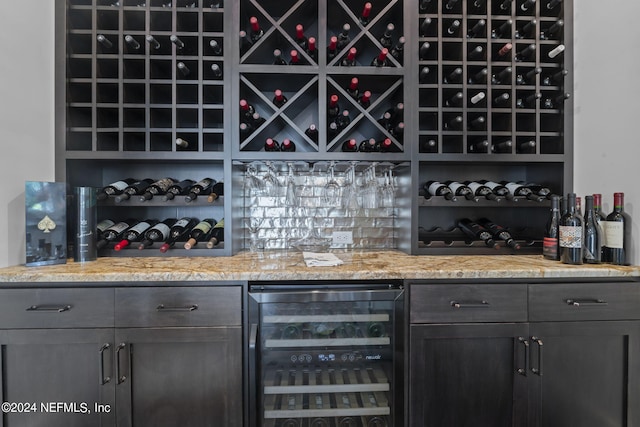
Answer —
(478, 89)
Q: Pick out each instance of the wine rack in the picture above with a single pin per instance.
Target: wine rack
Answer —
(485, 87)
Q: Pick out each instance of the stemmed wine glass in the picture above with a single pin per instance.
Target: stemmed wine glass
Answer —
(253, 183)
(290, 193)
(387, 191)
(370, 188)
(271, 183)
(254, 222)
(350, 193)
(331, 195)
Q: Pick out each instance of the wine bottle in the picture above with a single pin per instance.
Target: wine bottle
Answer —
(159, 187)
(528, 101)
(115, 231)
(334, 108)
(343, 37)
(424, 74)
(157, 233)
(527, 30)
(134, 189)
(527, 5)
(498, 189)
(554, 78)
(454, 76)
(480, 77)
(271, 144)
(453, 28)
(350, 59)
(424, 27)
(178, 232)
(365, 14)
(332, 49)
(353, 88)
(475, 99)
(375, 330)
(216, 71)
(455, 100)
(155, 44)
(455, 123)
(287, 145)
(553, 3)
(555, 103)
(617, 231)
(481, 190)
(350, 146)
(424, 5)
(499, 233)
(396, 114)
(102, 226)
(134, 233)
(182, 143)
(312, 49)
(477, 232)
(480, 146)
(529, 77)
(502, 100)
(246, 111)
(459, 189)
(216, 49)
(592, 234)
(343, 120)
(216, 235)
(177, 189)
(179, 44)
(104, 41)
(199, 188)
(279, 99)
(386, 40)
(526, 54)
(245, 43)
(312, 132)
(502, 146)
(527, 147)
(217, 190)
(550, 242)
(114, 188)
(300, 38)
(199, 232)
(131, 42)
(571, 233)
(397, 130)
(295, 58)
(381, 59)
(365, 99)
(436, 188)
(597, 207)
(477, 30)
(424, 50)
(479, 123)
(277, 57)
(255, 32)
(553, 31)
(503, 31)
(387, 146)
(476, 54)
(397, 51)
(369, 146)
(505, 5)
(503, 77)
(520, 190)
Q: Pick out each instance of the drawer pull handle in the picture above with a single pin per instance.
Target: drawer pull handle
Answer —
(523, 370)
(163, 307)
(120, 377)
(470, 304)
(57, 308)
(539, 343)
(586, 302)
(103, 379)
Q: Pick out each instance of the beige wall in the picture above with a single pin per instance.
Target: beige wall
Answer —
(607, 152)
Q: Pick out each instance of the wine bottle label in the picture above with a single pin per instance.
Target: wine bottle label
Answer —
(140, 227)
(181, 223)
(164, 184)
(613, 234)
(104, 224)
(203, 226)
(219, 224)
(550, 247)
(454, 186)
(163, 229)
(514, 188)
(119, 185)
(570, 236)
(433, 188)
(119, 227)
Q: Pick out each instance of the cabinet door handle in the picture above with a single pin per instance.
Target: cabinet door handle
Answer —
(47, 308)
(163, 307)
(121, 378)
(538, 370)
(523, 370)
(470, 304)
(103, 379)
(586, 302)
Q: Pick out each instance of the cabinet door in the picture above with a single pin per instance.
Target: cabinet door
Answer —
(588, 374)
(468, 375)
(62, 374)
(179, 377)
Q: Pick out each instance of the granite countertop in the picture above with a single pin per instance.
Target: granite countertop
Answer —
(357, 265)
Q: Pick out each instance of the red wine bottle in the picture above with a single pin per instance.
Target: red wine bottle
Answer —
(115, 188)
(352, 89)
(200, 188)
(478, 232)
(300, 38)
(179, 231)
(157, 233)
(350, 59)
(571, 233)
(617, 230)
(246, 111)
(332, 49)
(287, 145)
(271, 144)
(199, 232)
(279, 99)
(295, 58)
(365, 99)
(366, 14)
(499, 232)
(350, 146)
(216, 235)
(114, 232)
(312, 49)
(159, 187)
(592, 234)
(135, 233)
(436, 188)
(550, 242)
(178, 189)
(334, 108)
(217, 190)
(256, 32)
(381, 59)
(135, 189)
(387, 146)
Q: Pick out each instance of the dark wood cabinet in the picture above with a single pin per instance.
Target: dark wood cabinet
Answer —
(570, 358)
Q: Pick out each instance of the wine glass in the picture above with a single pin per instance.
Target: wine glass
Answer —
(370, 188)
(331, 195)
(271, 183)
(350, 193)
(387, 191)
(253, 183)
(253, 223)
(290, 193)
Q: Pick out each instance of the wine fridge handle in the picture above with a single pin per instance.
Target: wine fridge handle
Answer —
(165, 308)
(586, 302)
(103, 379)
(120, 378)
(538, 370)
(253, 337)
(58, 308)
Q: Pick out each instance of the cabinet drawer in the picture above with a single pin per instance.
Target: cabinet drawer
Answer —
(56, 308)
(584, 301)
(468, 303)
(178, 306)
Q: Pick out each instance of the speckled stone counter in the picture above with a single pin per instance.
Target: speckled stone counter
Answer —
(365, 265)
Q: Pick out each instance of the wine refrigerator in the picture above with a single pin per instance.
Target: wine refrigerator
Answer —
(326, 354)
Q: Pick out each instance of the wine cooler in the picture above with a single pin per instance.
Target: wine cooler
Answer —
(326, 355)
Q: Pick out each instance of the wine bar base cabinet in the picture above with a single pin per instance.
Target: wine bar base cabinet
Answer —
(487, 355)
